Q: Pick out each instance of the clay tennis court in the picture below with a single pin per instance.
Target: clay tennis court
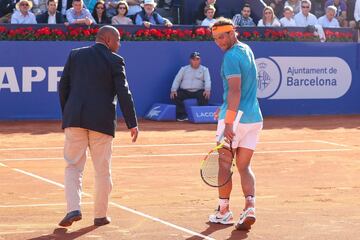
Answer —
(307, 169)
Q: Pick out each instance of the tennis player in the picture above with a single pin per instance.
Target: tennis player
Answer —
(239, 75)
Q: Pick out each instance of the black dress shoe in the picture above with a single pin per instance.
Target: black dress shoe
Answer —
(102, 221)
(70, 218)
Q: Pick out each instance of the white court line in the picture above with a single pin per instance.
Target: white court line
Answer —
(121, 207)
(40, 205)
(154, 145)
(331, 143)
(188, 154)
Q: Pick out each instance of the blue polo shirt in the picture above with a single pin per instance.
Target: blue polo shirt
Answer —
(239, 61)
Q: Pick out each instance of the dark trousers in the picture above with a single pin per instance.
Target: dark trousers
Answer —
(184, 94)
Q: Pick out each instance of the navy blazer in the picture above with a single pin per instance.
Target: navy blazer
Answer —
(92, 79)
(43, 18)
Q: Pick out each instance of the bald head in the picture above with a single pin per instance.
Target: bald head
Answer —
(109, 36)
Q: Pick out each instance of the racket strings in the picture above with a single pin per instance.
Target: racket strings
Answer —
(217, 168)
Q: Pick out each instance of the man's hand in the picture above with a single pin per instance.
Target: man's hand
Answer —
(88, 21)
(229, 133)
(134, 133)
(206, 94)
(147, 24)
(173, 94)
(168, 24)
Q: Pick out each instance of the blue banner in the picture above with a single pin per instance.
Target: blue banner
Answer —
(295, 78)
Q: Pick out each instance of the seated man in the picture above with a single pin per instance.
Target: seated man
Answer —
(329, 20)
(341, 11)
(23, 14)
(148, 16)
(78, 14)
(244, 19)
(192, 81)
(51, 16)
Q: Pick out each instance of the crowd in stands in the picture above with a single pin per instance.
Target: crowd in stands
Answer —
(277, 13)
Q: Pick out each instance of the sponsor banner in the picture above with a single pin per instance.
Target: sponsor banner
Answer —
(303, 77)
(294, 78)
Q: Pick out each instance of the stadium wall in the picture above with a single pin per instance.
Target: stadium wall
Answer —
(295, 78)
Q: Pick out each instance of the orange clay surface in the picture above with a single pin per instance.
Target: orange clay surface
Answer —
(307, 170)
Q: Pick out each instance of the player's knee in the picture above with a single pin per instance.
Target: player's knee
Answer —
(243, 168)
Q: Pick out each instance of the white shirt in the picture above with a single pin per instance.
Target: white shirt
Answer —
(275, 23)
(287, 23)
(303, 21)
(324, 22)
(192, 79)
(18, 18)
(52, 19)
(357, 11)
(207, 22)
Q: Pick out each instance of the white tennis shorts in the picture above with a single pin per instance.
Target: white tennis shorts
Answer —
(246, 134)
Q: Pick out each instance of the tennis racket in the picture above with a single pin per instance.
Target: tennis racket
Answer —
(217, 172)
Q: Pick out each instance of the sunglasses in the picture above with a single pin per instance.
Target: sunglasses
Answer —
(305, 7)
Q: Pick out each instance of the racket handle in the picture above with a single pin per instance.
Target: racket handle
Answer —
(237, 120)
(235, 125)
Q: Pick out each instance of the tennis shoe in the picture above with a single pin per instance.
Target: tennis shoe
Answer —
(222, 218)
(247, 218)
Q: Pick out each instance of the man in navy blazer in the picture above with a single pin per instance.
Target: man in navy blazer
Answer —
(92, 82)
(51, 16)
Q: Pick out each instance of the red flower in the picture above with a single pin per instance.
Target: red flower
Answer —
(86, 33)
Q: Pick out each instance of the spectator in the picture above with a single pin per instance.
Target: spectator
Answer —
(269, 18)
(329, 20)
(318, 7)
(209, 12)
(288, 19)
(121, 18)
(134, 7)
(148, 16)
(99, 13)
(23, 14)
(39, 7)
(341, 11)
(357, 12)
(305, 18)
(244, 19)
(192, 81)
(277, 6)
(63, 6)
(350, 13)
(295, 4)
(200, 13)
(78, 14)
(111, 8)
(6, 9)
(51, 16)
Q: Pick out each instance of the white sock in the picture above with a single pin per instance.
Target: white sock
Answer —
(250, 198)
(224, 204)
